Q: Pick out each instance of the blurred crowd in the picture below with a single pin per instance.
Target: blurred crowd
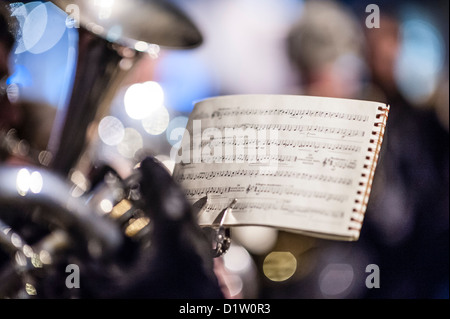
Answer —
(405, 231)
(329, 50)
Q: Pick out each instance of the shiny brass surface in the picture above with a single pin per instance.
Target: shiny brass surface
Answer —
(128, 21)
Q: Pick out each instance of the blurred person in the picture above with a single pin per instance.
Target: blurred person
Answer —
(407, 217)
(405, 231)
(326, 46)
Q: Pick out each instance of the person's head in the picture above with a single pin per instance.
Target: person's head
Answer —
(384, 47)
(326, 45)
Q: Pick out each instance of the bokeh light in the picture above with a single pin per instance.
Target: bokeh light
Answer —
(131, 143)
(111, 130)
(41, 32)
(36, 182)
(114, 33)
(141, 99)
(26, 181)
(44, 55)
(237, 259)
(279, 265)
(13, 92)
(23, 181)
(106, 206)
(157, 122)
(141, 46)
(258, 240)
(419, 65)
(176, 129)
(335, 280)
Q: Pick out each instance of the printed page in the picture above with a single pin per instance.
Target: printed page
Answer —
(292, 162)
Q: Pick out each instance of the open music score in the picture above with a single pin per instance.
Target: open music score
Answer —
(297, 163)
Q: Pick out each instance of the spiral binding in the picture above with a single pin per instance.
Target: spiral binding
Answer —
(369, 167)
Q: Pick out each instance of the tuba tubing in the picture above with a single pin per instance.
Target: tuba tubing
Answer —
(100, 235)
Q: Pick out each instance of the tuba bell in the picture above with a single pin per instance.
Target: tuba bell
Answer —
(99, 71)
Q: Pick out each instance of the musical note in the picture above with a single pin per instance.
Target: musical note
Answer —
(245, 205)
(293, 113)
(250, 173)
(342, 132)
(288, 143)
(341, 163)
(283, 190)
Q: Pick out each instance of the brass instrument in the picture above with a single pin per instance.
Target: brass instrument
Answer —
(99, 73)
(127, 236)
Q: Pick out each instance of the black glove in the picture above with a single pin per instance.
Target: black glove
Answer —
(175, 259)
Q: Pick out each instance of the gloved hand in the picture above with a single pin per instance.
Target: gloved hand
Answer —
(178, 263)
(175, 262)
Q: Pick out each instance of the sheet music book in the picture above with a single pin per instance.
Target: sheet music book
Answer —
(297, 163)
